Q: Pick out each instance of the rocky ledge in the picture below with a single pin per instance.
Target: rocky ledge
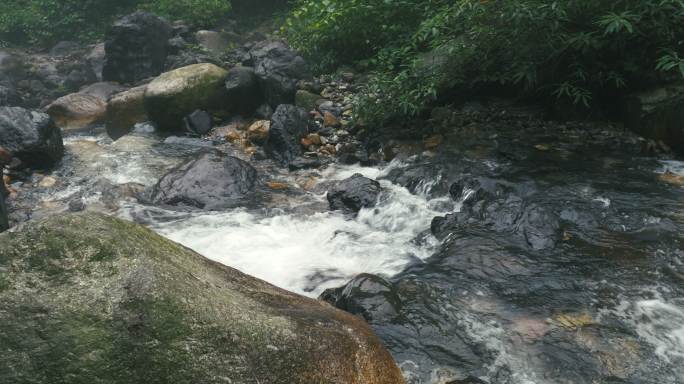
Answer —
(120, 304)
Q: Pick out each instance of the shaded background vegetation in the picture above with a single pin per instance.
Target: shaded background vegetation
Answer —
(425, 52)
(44, 22)
(584, 52)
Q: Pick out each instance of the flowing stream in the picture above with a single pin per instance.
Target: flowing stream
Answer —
(568, 268)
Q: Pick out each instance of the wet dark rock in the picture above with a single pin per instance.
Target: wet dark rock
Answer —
(288, 125)
(422, 178)
(244, 95)
(176, 45)
(368, 296)
(123, 304)
(330, 107)
(76, 205)
(12, 68)
(8, 96)
(179, 28)
(304, 163)
(358, 156)
(198, 122)
(79, 77)
(189, 57)
(279, 70)
(658, 114)
(65, 48)
(136, 48)
(31, 137)
(533, 225)
(354, 193)
(212, 181)
(4, 222)
(264, 111)
(96, 59)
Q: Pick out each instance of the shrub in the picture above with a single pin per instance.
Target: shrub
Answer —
(585, 51)
(47, 21)
(200, 13)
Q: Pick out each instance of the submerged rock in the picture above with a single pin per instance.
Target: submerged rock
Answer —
(175, 94)
(212, 181)
(77, 111)
(120, 304)
(124, 110)
(136, 48)
(497, 207)
(279, 70)
(30, 136)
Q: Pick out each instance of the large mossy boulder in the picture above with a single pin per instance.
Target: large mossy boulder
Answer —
(117, 303)
(124, 110)
(136, 48)
(30, 136)
(175, 94)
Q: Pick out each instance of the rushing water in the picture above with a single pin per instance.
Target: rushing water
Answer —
(566, 266)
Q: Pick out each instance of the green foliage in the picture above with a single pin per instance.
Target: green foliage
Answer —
(47, 21)
(343, 31)
(584, 51)
(200, 13)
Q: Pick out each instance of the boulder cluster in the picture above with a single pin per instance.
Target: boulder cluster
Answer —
(245, 89)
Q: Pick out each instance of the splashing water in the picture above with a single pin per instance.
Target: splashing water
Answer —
(310, 253)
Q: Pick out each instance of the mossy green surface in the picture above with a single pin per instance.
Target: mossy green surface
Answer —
(87, 298)
(175, 94)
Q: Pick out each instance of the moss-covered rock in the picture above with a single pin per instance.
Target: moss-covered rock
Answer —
(87, 298)
(175, 94)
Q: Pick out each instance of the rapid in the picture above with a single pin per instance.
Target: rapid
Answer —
(556, 254)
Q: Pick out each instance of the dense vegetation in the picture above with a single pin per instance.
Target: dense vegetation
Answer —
(47, 21)
(582, 51)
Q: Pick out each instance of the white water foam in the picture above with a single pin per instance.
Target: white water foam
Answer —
(658, 321)
(310, 253)
(672, 166)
